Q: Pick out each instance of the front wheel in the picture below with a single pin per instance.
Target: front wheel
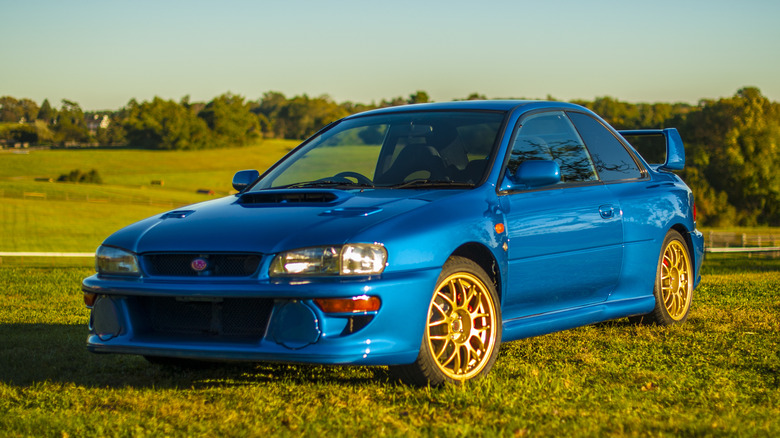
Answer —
(463, 328)
(673, 283)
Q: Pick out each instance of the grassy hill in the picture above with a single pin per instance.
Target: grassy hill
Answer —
(40, 215)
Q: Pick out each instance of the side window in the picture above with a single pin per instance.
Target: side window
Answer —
(613, 162)
(551, 136)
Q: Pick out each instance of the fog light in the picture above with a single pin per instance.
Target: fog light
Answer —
(105, 319)
(359, 304)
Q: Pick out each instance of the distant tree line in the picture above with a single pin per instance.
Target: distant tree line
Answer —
(732, 143)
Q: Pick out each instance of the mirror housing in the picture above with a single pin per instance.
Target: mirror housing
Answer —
(242, 179)
(532, 174)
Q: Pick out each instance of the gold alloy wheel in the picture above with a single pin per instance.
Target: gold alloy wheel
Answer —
(676, 284)
(461, 326)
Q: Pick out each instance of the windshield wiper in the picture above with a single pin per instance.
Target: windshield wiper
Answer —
(323, 183)
(422, 182)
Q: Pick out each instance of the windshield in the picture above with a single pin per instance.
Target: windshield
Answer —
(401, 150)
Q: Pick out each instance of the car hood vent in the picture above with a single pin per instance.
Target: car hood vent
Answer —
(285, 197)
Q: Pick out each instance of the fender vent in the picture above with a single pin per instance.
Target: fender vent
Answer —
(287, 197)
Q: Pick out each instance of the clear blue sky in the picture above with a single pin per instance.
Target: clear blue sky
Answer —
(103, 53)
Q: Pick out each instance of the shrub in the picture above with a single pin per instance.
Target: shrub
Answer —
(77, 175)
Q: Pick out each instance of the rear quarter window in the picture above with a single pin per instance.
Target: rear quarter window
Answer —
(613, 162)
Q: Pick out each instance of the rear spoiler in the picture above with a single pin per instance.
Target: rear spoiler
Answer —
(675, 151)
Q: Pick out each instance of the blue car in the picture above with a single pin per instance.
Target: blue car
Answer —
(418, 237)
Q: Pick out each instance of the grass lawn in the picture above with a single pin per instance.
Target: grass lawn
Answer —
(183, 170)
(716, 375)
(66, 217)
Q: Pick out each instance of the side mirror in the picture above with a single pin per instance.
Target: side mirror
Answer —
(243, 178)
(532, 174)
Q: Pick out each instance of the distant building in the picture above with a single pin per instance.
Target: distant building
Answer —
(97, 121)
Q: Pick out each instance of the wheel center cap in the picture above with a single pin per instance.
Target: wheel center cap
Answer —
(456, 326)
(674, 276)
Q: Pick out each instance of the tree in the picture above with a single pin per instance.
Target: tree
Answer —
(164, 124)
(47, 113)
(736, 144)
(267, 110)
(419, 97)
(302, 116)
(230, 120)
(71, 126)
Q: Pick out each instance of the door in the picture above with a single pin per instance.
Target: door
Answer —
(565, 240)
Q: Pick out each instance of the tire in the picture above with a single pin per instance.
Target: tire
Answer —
(673, 288)
(463, 328)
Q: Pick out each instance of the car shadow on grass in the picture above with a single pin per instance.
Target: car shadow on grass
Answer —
(33, 353)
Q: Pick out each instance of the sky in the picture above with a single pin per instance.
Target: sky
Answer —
(101, 54)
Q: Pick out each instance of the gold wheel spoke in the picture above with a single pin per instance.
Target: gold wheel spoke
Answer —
(438, 307)
(480, 315)
(444, 297)
(472, 292)
(480, 347)
(437, 323)
(454, 290)
(443, 349)
(453, 360)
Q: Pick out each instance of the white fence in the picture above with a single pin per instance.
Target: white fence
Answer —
(719, 241)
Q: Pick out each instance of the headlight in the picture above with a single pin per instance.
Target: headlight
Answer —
(115, 261)
(352, 259)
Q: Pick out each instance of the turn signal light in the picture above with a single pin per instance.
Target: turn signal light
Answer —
(359, 304)
(89, 299)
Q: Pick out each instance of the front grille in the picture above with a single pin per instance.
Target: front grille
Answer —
(238, 317)
(214, 265)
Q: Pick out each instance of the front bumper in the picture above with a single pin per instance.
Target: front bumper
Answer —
(136, 316)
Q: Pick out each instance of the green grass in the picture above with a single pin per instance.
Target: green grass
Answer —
(181, 170)
(77, 217)
(61, 226)
(716, 375)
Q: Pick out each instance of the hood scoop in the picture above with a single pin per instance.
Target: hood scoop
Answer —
(177, 214)
(295, 197)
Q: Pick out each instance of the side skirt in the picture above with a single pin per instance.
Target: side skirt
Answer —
(551, 322)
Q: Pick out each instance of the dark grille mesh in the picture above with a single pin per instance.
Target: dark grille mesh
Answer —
(218, 265)
(226, 317)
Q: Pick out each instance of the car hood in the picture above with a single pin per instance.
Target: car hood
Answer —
(271, 221)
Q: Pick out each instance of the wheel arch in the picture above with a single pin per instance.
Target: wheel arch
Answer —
(482, 256)
(686, 234)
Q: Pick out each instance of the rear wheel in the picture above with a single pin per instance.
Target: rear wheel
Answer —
(673, 283)
(463, 328)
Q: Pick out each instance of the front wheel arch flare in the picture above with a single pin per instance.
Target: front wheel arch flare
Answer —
(482, 256)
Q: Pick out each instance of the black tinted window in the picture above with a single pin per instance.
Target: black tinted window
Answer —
(612, 160)
(551, 136)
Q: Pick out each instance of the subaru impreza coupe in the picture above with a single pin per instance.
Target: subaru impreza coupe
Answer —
(418, 237)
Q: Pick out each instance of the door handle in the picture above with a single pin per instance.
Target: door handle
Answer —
(607, 211)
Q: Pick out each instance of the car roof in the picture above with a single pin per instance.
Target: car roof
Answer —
(475, 105)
